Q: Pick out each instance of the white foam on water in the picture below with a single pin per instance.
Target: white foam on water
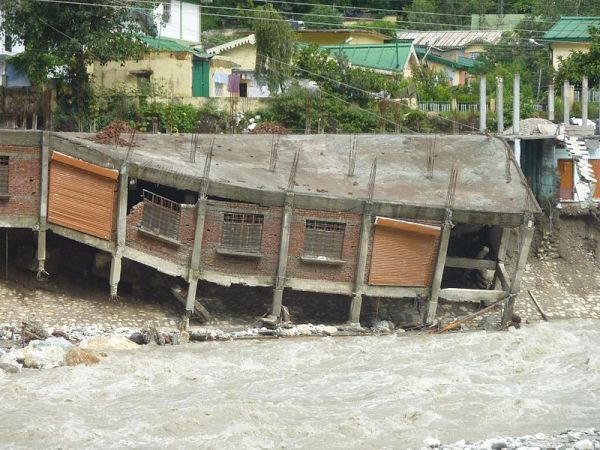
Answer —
(346, 392)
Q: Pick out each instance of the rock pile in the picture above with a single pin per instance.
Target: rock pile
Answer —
(548, 247)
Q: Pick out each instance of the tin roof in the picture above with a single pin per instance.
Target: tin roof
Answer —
(450, 39)
(574, 29)
(246, 40)
(170, 45)
(388, 57)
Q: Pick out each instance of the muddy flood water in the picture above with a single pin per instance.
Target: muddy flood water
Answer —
(345, 392)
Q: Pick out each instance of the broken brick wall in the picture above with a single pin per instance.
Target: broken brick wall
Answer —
(24, 173)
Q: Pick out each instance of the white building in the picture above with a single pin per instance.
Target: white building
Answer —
(7, 49)
(179, 20)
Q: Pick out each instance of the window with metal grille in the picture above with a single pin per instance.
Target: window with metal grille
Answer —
(3, 175)
(324, 239)
(161, 216)
(242, 232)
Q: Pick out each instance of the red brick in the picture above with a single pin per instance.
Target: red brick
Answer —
(23, 181)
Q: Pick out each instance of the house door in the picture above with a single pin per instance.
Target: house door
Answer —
(404, 253)
(565, 172)
(200, 79)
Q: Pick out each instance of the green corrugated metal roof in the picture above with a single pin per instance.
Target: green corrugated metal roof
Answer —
(573, 29)
(463, 62)
(389, 57)
(170, 45)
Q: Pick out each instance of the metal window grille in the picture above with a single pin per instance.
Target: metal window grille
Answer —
(242, 232)
(3, 174)
(324, 239)
(161, 215)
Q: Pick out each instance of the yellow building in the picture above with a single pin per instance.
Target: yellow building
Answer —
(185, 72)
(568, 35)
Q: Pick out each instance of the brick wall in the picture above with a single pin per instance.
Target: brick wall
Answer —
(213, 230)
(179, 254)
(308, 270)
(23, 181)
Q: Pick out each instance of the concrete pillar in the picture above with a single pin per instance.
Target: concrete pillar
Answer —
(585, 98)
(438, 273)
(115, 275)
(526, 236)
(361, 264)
(501, 254)
(115, 266)
(566, 105)
(194, 269)
(517, 151)
(43, 218)
(500, 105)
(551, 102)
(482, 104)
(286, 225)
(516, 103)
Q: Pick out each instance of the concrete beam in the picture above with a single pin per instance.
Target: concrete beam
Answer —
(92, 241)
(162, 265)
(227, 279)
(194, 268)
(43, 217)
(361, 264)
(328, 287)
(19, 222)
(470, 263)
(526, 236)
(283, 256)
(395, 291)
(438, 272)
(20, 138)
(471, 295)
(501, 254)
(502, 276)
(115, 267)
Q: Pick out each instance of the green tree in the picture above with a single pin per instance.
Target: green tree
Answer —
(274, 47)
(62, 40)
(323, 16)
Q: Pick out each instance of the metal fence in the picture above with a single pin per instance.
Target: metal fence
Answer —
(436, 107)
(594, 96)
(161, 216)
(324, 239)
(3, 174)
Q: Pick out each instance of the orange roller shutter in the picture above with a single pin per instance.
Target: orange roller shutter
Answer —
(82, 196)
(404, 253)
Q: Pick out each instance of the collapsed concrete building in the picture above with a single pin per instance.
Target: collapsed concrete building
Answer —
(390, 216)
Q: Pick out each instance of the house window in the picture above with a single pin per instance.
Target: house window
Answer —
(166, 15)
(243, 89)
(242, 232)
(161, 216)
(3, 175)
(8, 43)
(219, 87)
(324, 239)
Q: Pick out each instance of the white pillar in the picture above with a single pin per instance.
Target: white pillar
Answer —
(516, 103)
(482, 103)
(566, 106)
(584, 100)
(500, 104)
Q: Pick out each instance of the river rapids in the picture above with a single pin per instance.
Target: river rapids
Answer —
(335, 392)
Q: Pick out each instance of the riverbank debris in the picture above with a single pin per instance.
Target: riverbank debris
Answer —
(537, 305)
(457, 323)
